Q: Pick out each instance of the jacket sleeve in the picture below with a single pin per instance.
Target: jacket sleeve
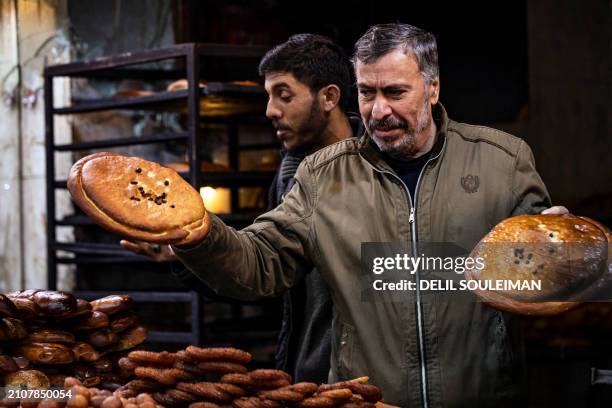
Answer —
(528, 190)
(264, 259)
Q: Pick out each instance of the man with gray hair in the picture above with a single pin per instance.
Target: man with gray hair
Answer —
(414, 176)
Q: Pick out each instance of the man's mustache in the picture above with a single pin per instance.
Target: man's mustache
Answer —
(387, 123)
(279, 126)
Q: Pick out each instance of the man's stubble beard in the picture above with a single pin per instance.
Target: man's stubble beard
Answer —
(405, 148)
(309, 132)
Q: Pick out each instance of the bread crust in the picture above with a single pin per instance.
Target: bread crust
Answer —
(138, 199)
(569, 254)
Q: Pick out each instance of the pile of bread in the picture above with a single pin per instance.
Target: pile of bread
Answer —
(218, 377)
(46, 336)
(206, 378)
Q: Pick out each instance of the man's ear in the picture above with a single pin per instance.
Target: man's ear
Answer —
(434, 91)
(330, 97)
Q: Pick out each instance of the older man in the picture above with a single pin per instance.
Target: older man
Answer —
(416, 176)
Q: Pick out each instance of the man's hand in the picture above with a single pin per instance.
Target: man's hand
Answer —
(557, 209)
(159, 253)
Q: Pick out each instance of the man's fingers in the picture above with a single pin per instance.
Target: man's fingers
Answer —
(159, 253)
(131, 246)
(557, 209)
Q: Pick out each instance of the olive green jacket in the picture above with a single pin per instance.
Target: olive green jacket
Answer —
(435, 353)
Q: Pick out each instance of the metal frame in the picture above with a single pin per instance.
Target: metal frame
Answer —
(115, 67)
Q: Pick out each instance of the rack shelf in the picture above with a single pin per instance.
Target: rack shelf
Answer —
(127, 141)
(221, 101)
(106, 67)
(218, 92)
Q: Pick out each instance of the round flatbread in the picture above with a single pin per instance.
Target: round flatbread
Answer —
(567, 254)
(137, 199)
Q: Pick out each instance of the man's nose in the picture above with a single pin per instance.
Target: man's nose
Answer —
(380, 109)
(272, 112)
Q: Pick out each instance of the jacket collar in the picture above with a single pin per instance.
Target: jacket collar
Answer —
(370, 152)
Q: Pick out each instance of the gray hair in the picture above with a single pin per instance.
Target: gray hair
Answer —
(384, 38)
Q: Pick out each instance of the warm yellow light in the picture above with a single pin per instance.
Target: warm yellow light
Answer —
(216, 200)
(208, 193)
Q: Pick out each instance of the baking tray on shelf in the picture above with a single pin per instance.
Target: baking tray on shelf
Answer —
(216, 99)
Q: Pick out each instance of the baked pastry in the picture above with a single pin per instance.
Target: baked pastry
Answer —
(12, 329)
(181, 84)
(129, 339)
(152, 358)
(102, 338)
(138, 199)
(54, 303)
(28, 293)
(112, 304)
(46, 353)
(95, 320)
(567, 254)
(219, 354)
(7, 307)
(26, 309)
(83, 308)
(84, 352)
(123, 322)
(50, 336)
(7, 364)
(27, 379)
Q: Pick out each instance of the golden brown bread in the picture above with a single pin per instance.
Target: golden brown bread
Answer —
(7, 307)
(7, 364)
(123, 322)
(112, 304)
(12, 329)
(27, 379)
(50, 336)
(95, 320)
(102, 338)
(26, 309)
(54, 303)
(83, 308)
(566, 253)
(28, 293)
(84, 352)
(602, 289)
(152, 358)
(129, 339)
(138, 199)
(46, 353)
(181, 84)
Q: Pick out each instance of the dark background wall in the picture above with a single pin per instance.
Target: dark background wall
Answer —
(539, 69)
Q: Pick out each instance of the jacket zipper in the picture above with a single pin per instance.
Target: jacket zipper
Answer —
(419, 305)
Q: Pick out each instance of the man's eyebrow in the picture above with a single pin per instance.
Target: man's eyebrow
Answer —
(363, 85)
(394, 87)
(280, 85)
(386, 87)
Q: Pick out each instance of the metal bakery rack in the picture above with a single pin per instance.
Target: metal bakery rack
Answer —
(220, 101)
